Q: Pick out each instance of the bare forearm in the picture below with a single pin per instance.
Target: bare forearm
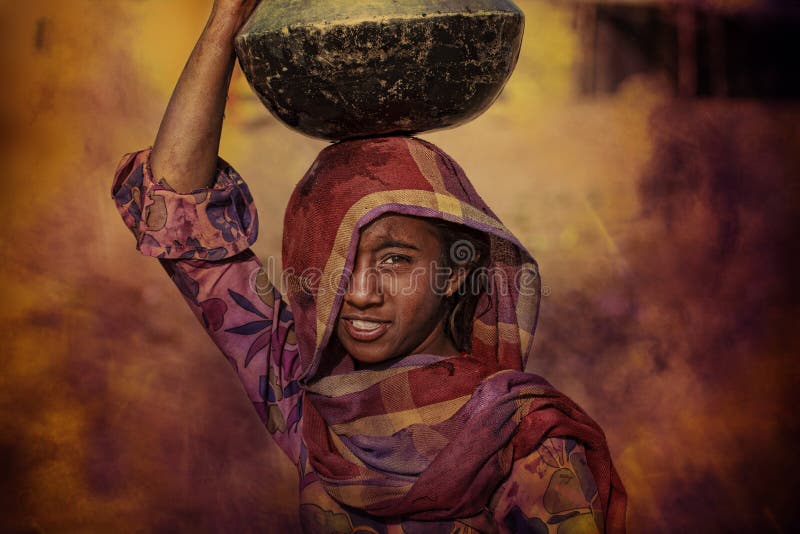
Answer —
(186, 146)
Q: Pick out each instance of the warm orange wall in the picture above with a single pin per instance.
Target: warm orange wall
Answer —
(662, 229)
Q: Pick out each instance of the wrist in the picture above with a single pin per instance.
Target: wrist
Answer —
(225, 22)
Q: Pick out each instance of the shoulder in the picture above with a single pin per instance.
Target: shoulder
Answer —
(549, 490)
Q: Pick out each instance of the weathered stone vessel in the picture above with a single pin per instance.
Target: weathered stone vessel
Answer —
(338, 69)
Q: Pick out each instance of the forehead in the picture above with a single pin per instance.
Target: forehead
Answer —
(394, 227)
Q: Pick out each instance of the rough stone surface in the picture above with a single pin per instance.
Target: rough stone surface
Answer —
(378, 67)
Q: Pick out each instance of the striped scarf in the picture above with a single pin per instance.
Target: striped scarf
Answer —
(426, 437)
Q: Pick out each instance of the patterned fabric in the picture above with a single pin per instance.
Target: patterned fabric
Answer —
(428, 438)
(231, 296)
(162, 220)
(549, 490)
(540, 491)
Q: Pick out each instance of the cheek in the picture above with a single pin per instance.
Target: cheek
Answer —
(406, 285)
(420, 308)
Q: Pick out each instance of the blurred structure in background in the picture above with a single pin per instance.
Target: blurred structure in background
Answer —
(702, 49)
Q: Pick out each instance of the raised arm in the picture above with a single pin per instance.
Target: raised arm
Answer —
(186, 146)
(189, 208)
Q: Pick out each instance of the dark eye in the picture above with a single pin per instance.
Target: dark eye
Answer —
(394, 259)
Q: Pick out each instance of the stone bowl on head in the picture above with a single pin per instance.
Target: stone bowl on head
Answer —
(338, 70)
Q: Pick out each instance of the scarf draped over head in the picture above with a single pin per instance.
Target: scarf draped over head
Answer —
(425, 437)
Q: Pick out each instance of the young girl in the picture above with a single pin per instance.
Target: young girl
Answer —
(391, 373)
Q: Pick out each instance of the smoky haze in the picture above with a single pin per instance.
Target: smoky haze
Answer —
(664, 229)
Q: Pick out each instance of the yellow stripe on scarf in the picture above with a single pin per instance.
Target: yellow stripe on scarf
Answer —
(390, 423)
(507, 332)
(338, 385)
(425, 159)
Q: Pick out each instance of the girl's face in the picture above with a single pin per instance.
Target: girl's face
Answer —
(393, 306)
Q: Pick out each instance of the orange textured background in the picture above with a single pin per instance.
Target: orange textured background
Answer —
(665, 230)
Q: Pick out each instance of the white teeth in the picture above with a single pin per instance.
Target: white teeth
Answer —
(365, 325)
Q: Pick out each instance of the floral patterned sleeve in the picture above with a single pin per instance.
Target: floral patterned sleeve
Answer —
(202, 240)
(550, 491)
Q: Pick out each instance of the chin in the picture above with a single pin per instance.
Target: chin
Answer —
(371, 355)
(365, 353)
(367, 356)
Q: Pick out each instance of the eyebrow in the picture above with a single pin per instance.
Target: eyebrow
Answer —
(393, 243)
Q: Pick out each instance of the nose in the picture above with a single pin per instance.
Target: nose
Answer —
(364, 288)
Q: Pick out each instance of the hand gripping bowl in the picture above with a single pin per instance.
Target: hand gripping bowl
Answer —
(338, 69)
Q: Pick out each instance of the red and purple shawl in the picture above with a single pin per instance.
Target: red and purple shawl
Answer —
(428, 437)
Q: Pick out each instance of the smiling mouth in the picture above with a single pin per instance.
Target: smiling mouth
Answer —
(362, 330)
